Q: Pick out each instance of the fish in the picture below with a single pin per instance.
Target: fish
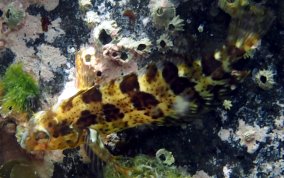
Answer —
(162, 93)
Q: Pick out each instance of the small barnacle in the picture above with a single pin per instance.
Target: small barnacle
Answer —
(105, 32)
(85, 71)
(249, 135)
(85, 4)
(176, 24)
(119, 53)
(141, 47)
(264, 79)
(162, 12)
(144, 46)
(165, 156)
(92, 18)
(88, 55)
(14, 14)
(164, 43)
(124, 56)
(227, 104)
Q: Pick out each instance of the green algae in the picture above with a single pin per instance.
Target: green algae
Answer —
(19, 89)
(18, 168)
(144, 166)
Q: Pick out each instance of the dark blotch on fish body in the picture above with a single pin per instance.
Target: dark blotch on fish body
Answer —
(151, 72)
(111, 112)
(129, 83)
(142, 100)
(86, 119)
(92, 95)
(170, 72)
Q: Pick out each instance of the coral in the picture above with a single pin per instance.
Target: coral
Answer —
(14, 14)
(164, 43)
(264, 79)
(162, 12)
(176, 24)
(20, 90)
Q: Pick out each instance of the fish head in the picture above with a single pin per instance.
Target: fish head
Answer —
(43, 132)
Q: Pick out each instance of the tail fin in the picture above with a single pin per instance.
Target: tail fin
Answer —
(249, 26)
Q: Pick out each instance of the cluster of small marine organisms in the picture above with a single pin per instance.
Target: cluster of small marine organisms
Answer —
(114, 93)
(146, 166)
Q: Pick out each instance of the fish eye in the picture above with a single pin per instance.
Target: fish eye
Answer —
(39, 135)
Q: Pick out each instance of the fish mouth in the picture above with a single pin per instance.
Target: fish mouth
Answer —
(32, 136)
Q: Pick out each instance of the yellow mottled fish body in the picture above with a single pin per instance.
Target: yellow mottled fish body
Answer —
(164, 93)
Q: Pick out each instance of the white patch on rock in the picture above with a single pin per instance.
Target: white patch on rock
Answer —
(54, 31)
(201, 174)
(51, 56)
(227, 171)
(226, 134)
(251, 136)
(48, 5)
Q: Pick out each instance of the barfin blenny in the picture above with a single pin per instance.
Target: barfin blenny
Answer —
(164, 93)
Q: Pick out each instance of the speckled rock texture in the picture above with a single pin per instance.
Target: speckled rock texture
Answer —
(245, 141)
